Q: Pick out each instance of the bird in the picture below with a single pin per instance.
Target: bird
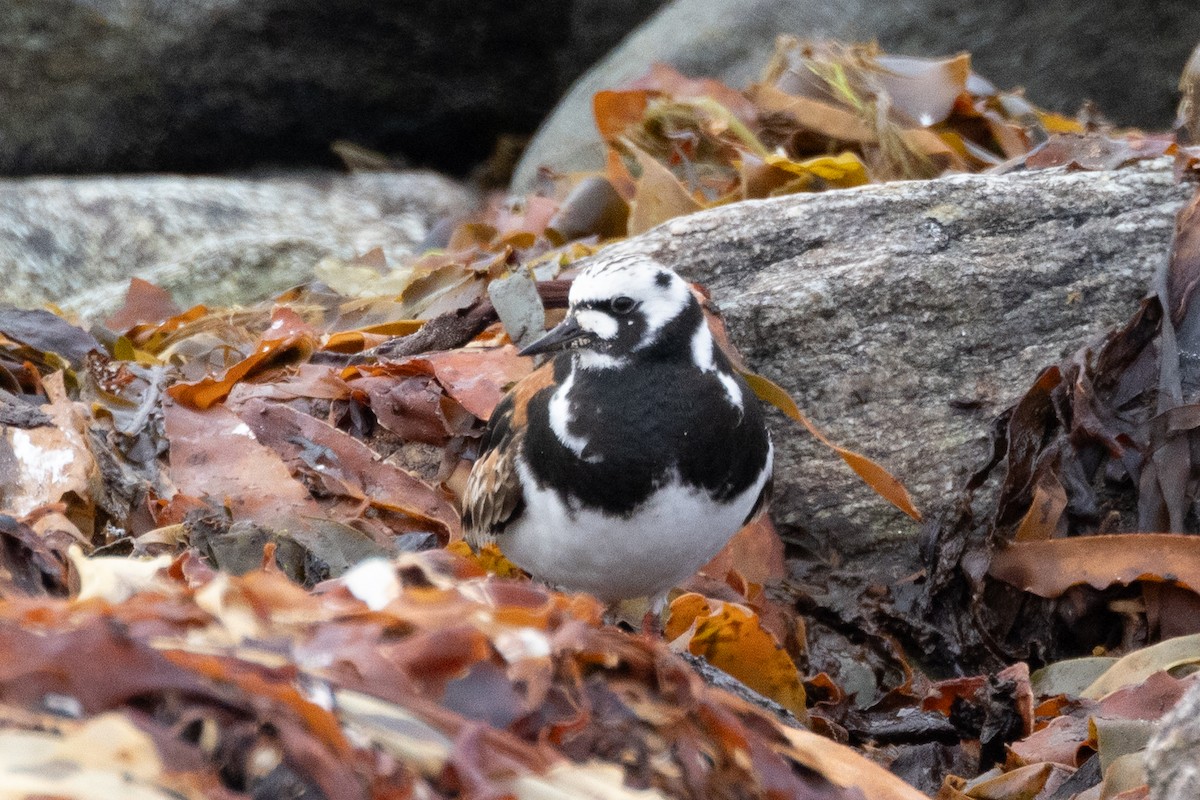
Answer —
(628, 460)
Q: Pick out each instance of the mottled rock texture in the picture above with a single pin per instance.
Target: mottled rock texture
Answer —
(1173, 755)
(77, 241)
(903, 317)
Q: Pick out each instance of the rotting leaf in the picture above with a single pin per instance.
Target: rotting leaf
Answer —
(47, 332)
(215, 454)
(46, 464)
(1097, 152)
(756, 552)
(281, 346)
(28, 565)
(347, 467)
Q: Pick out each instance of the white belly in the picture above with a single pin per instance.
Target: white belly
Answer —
(667, 539)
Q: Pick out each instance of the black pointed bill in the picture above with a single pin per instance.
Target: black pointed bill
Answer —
(556, 338)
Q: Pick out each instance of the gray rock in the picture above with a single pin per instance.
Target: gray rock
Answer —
(1127, 56)
(77, 241)
(1173, 756)
(160, 85)
(903, 317)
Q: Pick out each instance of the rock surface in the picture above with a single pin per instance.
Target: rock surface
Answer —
(77, 241)
(1127, 56)
(903, 317)
(158, 85)
(1173, 755)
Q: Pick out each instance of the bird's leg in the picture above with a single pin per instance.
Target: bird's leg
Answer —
(652, 625)
(652, 621)
(649, 610)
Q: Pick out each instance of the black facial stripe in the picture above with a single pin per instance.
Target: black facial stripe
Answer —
(674, 340)
(609, 306)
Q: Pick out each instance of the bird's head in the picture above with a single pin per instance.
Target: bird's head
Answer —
(618, 308)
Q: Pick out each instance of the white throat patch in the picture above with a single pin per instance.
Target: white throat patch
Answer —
(560, 420)
(590, 359)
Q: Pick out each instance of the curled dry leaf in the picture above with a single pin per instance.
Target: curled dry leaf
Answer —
(883, 482)
(289, 341)
(115, 579)
(1048, 568)
(502, 686)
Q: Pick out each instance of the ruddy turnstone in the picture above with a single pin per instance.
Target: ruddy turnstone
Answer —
(627, 462)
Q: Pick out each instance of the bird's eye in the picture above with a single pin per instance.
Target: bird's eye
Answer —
(623, 304)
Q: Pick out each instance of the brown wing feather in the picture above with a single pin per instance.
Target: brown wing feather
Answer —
(493, 494)
(494, 497)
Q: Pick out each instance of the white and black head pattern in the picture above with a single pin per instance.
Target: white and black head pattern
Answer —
(624, 305)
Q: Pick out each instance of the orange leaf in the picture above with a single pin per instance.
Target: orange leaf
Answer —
(660, 196)
(616, 111)
(825, 119)
(1041, 520)
(142, 335)
(883, 482)
(488, 558)
(1048, 568)
(355, 341)
(207, 392)
(289, 338)
(730, 637)
(756, 552)
(844, 767)
(352, 342)
(662, 78)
